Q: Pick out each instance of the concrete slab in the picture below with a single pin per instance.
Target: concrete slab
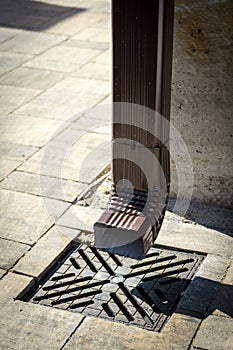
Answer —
(202, 289)
(13, 97)
(32, 78)
(48, 248)
(11, 252)
(81, 218)
(30, 326)
(215, 333)
(63, 58)
(80, 94)
(195, 237)
(40, 185)
(92, 33)
(11, 286)
(222, 303)
(73, 155)
(11, 60)
(6, 35)
(76, 23)
(206, 215)
(81, 236)
(99, 334)
(31, 42)
(16, 151)
(26, 217)
(92, 125)
(93, 70)
(28, 130)
(88, 44)
(7, 166)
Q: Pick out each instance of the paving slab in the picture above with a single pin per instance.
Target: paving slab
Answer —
(92, 33)
(10, 252)
(16, 151)
(73, 155)
(80, 236)
(28, 130)
(26, 217)
(40, 185)
(96, 45)
(7, 166)
(30, 326)
(6, 34)
(32, 43)
(203, 288)
(195, 237)
(222, 304)
(205, 215)
(13, 97)
(93, 70)
(67, 98)
(92, 125)
(215, 333)
(31, 78)
(63, 58)
(11, 285)
(76, 23)
(81, 218)
(100, 334)
(45, 252)
(11, 60)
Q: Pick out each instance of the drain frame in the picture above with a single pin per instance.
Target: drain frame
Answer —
(113, 293)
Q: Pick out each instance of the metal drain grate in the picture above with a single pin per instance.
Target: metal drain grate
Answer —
(142, 293)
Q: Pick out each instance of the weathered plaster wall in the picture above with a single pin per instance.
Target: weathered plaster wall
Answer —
(202, 96)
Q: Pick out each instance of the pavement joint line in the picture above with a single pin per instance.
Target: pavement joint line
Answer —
(19, 65)
(194, 335)
(37, 195)
(93, 58)
(17, 260)
(72, 333)
(12, 240)
(29, 101)
(54, 177)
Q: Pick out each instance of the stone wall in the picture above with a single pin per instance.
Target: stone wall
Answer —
(202, 96)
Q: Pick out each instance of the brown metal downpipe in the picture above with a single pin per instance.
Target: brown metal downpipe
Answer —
(142, 64)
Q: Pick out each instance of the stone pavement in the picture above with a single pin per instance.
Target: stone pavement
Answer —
(55, 87)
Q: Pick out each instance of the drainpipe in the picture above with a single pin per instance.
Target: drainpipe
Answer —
(142, 33)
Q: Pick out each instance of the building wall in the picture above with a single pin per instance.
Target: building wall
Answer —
(202, 96)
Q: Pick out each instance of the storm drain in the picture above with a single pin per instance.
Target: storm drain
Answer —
(142, 293)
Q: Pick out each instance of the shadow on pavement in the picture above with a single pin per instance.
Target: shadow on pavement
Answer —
(202, 297)
(33, 15)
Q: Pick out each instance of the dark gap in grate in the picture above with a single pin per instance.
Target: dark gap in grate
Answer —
(108, 310)
(74, 263)
(157, 268)
(80, 296)
(82, 304)
(122, 307)
(171, 257)
(165, 274)
(87, 260)
(62, 277)
(148, 299)
(67, 283)
(115, 259)
(102, 261)
(104, 285)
